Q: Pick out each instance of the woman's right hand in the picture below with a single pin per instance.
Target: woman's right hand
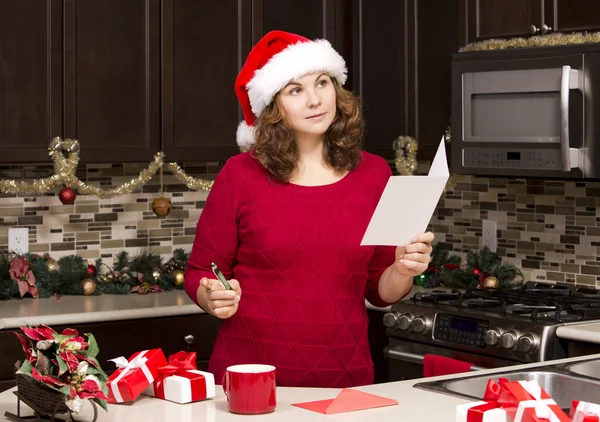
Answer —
(221, 302)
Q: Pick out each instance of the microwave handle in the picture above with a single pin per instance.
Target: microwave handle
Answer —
(569, 155)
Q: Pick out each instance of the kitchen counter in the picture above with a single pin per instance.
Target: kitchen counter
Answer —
(584, 332)
(415, 405)
(15, 313)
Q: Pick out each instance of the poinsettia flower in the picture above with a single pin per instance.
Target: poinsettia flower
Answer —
(47, 379)
(69, 359)
(22, 274)
(41, 332)
(70, 332)
(83, 386)
(27, 344)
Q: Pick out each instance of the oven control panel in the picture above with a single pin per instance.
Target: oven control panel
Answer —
(460, 330)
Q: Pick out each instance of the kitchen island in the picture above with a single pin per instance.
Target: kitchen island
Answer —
(415, 405)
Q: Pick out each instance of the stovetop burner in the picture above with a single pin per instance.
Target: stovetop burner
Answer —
(535, 301)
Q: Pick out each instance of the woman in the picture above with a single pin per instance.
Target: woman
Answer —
(284, 222)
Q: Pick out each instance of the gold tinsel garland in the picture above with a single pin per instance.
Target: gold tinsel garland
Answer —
(406, 155)
(536, 41)
(65, 167)
(190, 182)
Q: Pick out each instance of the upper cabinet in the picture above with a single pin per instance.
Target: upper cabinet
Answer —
(205, 44)
(131, 78)
(400, 67)
(112, 78)
(31, 60)
(484, 19)
(86, 70)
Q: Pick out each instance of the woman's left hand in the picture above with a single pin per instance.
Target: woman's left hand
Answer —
(413, 259)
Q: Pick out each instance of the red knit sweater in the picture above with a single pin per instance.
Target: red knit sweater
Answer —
(304, 276)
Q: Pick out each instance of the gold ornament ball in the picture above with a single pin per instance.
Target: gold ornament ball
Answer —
(89, 286)
(490, 282)
(179, 277)
(162, 206)
(52, 265)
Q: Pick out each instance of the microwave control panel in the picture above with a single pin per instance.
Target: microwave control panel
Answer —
(513, 158)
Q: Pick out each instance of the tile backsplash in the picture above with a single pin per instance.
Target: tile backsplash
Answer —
(550, 228)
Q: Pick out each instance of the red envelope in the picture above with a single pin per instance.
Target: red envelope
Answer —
(347, 401)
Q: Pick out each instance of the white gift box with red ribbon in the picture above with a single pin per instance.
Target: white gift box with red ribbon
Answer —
(481, 411)
(184, 387)
(527, 401)
(582, 411)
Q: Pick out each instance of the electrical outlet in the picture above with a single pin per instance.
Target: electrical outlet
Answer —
(488, 234)
(18, 240)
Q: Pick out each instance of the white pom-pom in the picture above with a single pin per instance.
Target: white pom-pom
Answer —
(245, 135)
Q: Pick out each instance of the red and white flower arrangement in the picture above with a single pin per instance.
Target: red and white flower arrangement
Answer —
(64, 362)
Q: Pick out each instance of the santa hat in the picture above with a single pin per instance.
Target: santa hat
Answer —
(278, 58)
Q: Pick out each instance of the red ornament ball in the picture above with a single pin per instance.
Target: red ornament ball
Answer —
(67, 196)
(91, 269)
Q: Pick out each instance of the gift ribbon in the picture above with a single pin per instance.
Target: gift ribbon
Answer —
(477, 413)
(137, 362)
(586, 410)
(179, 363)
(541, 406)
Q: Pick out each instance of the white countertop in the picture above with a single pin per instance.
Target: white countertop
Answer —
(415, 405)
(585, 332)
(68, 309)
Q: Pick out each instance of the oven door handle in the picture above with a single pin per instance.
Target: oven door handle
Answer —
(570, 156)
(403, 355)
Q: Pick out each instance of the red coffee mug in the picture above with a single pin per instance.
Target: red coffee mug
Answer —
(250, 389)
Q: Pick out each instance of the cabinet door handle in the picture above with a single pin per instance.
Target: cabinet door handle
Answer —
(545, 29)
(534, 30)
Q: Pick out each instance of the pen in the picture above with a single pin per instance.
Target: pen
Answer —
(217, 272)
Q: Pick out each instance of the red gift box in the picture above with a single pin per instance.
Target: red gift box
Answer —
(484, 411)
(134, 375)
(481, 411)
(526, 401)
(179, 381)
(582, 411)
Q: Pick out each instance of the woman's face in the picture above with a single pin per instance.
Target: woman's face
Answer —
(309, 104)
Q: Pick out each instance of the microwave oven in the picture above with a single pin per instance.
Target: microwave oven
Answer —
(531, 112)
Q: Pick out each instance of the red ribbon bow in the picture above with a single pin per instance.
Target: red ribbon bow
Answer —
(179, 363)
(491, 395)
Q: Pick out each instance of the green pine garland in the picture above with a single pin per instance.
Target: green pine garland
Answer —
(145, 270)
(445, 270)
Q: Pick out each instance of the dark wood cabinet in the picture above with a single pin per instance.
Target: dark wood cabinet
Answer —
(123, 338)
(31, 56)
(204, 46)
(484, 19)
(401, 66)
(572, 15)
(112, 78)
(86, 70)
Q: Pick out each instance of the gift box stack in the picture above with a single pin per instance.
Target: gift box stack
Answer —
(523, 401)
(148, 372)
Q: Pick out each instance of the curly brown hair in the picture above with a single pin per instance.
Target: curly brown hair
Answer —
(276, 149)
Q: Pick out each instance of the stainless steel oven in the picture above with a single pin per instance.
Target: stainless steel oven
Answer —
(405, 358)
(527, 112)
(489, 328)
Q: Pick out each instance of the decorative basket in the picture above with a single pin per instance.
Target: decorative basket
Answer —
(41, 399)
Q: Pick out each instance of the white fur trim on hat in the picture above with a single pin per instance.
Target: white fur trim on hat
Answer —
(245, 135)
(291, 63)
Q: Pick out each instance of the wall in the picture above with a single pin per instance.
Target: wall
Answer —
(548, 226)
(95, 227)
